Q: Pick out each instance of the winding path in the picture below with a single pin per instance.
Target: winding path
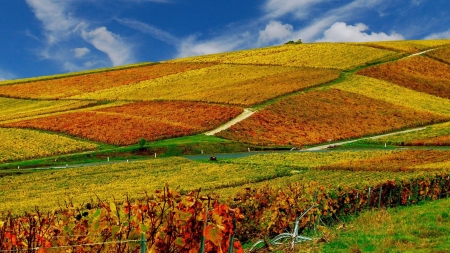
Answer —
(247, 113)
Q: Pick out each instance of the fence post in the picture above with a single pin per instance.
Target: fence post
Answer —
(368, 198)
(379, 196)
(202, 243)
(357, 203)
(230, 248)
(143, 243)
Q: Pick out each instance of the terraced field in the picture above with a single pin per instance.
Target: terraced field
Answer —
(319, 116)
(127, 124)
(224, 83)
(341, 56)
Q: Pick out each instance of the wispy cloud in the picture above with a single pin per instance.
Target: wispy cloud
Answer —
(63, 31)
(5, 75)
(297, 8)
(441, 35)
(341, 32)
(150, 30)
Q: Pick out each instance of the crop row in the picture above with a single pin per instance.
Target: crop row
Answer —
(171, 222)
(435, 135)
(324, 115)
(231, 84)
(417, 73)
(16, 108)
(409, 46)
(124, 125)
(70, 86)
(395, 94)
(441, 54)
(318, 55)
(21, 144)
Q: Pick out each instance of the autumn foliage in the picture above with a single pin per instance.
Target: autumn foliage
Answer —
(70, 86)
(417, 73)
(171, 223)
(318, 116)
(124, 125)
(441, 54)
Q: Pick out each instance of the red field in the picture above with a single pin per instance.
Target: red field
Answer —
(418, 73)
(75, 85)
(125, 125)
(319, 116)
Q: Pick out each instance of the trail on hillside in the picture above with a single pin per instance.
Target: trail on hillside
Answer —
(247, 113)
(365, 138)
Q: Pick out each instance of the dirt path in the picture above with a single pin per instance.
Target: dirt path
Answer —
(247, 113)
(372, 138)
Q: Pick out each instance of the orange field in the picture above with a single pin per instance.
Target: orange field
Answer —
(395, 161)
(125, 125)
(433, 141)
(319, 116)
(417, 73)
(441, 54)
(75, 85)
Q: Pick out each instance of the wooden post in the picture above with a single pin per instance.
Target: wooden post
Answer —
(143, 243)
(202, 243)
(230, 248)
(379, 196)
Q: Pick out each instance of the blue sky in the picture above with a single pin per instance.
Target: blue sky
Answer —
(44, 37)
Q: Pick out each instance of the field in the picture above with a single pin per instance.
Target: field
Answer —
(417, 73)
(87, 129)
(23, 192)
(226, 84)
(395, 94)
(408, 46)
(70, 86)
(127, 124)
(325, 115)
(15, 108)
(435, 135)
(21, 144)
(317, 55)
(441, 54)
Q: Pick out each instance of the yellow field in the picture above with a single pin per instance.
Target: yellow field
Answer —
(232, 84)
(19, 144)
(318, 55)
(409, 46)
(442, 54)
(427, 135)
(386, 91)
(17, 108)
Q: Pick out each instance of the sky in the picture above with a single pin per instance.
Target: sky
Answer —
(46, 37)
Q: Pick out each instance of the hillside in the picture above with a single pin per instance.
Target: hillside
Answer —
(103, 135)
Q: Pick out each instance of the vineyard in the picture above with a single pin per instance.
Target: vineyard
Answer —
(395, 94)
(325, 115)
(125, 125)
(436, 135)
(441, 54)
(341, 56)
(15, 108)
(227, 84)
(70, 86)
(417, 73)
(408, 46)
(296, 96)
(21, 144)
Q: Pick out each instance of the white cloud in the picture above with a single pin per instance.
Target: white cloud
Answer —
(225, 43)
(275, 31)
(150, 30)
(441, 35)
(341, 32)
(63, 32)
(298, 8)
(80, 52)
(55, 18)
(111, 44)
(5, 75)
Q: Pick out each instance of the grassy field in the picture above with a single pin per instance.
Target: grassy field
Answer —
(421, 228)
